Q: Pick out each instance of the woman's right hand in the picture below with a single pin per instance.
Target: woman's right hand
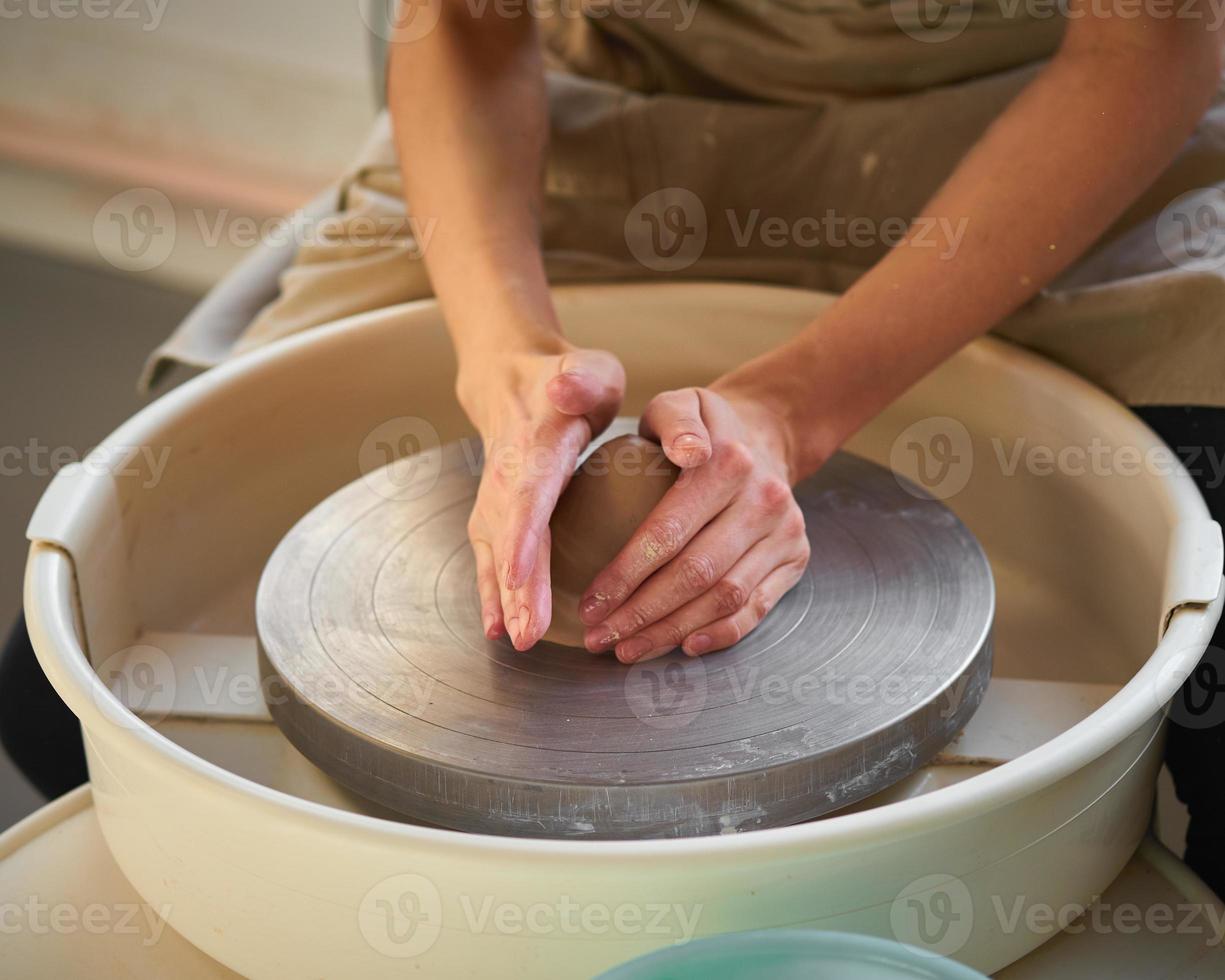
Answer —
(536, 410)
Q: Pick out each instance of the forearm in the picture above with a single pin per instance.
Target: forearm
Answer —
(468, 108)
(1063, 161)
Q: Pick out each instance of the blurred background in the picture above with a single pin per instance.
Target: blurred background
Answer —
(238, 111)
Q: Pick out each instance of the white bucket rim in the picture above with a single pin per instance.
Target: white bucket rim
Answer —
(49, 603)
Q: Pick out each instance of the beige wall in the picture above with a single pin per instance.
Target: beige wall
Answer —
(246, 106)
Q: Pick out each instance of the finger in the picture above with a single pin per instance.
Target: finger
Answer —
(723, 599)
(588, 383)
(528, 609)
(685, 509)
(674, 420)
(768, 508)
(695, 571)
(732, 629)
(487, 586)
(546, 466)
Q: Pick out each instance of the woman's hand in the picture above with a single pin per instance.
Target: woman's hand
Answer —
(536, 411)
(722, 547)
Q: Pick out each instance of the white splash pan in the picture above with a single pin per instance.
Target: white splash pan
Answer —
(1108, 591)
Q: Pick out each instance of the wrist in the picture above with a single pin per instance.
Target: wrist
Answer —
(501, 305)
(496, 381)
(504, 324)
(782, 409)
(481, 341)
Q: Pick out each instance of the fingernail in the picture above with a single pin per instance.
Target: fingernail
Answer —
(688, 441)
(634, 648)
(697, 644)
(601, 640)
(524, 619)
(593, 607)
(489, 619)
(570, 374)
(512, 629)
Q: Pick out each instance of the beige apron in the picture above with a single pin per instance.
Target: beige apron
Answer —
(789, 141)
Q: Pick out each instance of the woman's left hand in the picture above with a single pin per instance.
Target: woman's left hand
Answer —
(723, 546)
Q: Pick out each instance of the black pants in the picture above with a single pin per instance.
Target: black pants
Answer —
(1195, 743)
(43, 738)
(40, 734)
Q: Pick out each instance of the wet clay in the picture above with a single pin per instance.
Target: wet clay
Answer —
(607, 500)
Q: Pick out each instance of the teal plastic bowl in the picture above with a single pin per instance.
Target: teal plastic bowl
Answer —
(791, 954)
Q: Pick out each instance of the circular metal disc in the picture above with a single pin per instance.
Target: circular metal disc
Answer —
(370, 636)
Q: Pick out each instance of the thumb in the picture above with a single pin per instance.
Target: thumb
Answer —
(674, 419)
(590, 383)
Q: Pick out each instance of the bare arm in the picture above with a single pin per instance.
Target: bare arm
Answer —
(1075, 148)
(468, 104)
(1085, 138)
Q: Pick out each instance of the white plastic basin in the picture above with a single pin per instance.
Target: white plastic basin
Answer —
(1108, 590)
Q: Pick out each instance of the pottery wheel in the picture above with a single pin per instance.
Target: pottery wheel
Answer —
(376, 668)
